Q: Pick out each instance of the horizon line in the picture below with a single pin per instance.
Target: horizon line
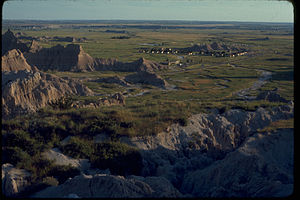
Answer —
(182, 20)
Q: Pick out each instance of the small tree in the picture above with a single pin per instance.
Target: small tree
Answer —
(62, 103)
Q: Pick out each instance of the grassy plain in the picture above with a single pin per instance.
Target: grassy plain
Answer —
(207, 82)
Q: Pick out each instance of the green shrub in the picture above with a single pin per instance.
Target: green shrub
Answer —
(118, 157)
(15, 156)
(62, 103)
(21, 139)
(78, 148)
(40, 168)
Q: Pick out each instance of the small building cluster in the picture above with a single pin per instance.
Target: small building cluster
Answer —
(213, 49)
(158, 51)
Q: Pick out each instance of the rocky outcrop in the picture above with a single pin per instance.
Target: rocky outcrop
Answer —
(34, 47)
(109, 186)
(9, 42)
(14, 180)
(271, 96)
(207, 138)
(61, 159)
(14, 60)
(146, 77)
(27, 91)
(135, 66)
(69, 58)
(261, 167)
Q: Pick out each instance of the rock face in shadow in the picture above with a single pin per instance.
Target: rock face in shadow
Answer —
(135, 66)
(69, 58)
(109, 186)
(271, 96)
(207, 139)
(27, 91)
(9, 42)
(145, 72)
(261, 167)
(14, 180)
(146, 77)
(14, 60)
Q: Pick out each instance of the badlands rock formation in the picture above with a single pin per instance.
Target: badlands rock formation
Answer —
(34, 47)
(145, 72)
(14, 60)
(261, 167)
(135, 66)
(271, 96)
(14, 180)
(146, 77)
(73, 58)
(9, 42)
(69, 58)
(109, 186)
(182, 152)
(27, 91)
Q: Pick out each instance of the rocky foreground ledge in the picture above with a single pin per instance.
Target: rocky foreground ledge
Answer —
(215, 155)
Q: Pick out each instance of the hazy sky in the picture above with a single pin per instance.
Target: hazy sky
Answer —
(200, 10)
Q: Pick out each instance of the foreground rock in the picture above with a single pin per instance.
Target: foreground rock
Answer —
(61, 159)
(26, 91)
(109, 186)
(206, 139)
(14, 180)
(261, 167)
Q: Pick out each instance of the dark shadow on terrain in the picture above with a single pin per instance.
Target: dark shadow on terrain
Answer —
(233, 77)
(283, 76)
(245, 171)
(277, 59)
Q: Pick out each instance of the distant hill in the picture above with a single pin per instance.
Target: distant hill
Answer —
(212, 47)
